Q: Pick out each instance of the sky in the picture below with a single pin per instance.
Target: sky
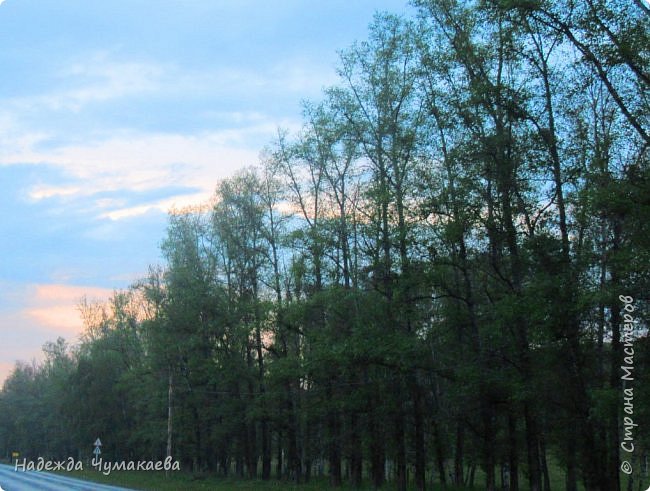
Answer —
(112, 113)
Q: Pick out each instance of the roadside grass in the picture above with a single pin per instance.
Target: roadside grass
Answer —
(157, 481)
(179, 481)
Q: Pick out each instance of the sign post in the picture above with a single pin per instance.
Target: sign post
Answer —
(98, 451)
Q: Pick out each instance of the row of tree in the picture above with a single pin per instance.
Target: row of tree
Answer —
(437, 280)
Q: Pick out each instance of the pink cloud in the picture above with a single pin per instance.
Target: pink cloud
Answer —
(67, 293)
(41, 313)
(5, 369)
(55, 307)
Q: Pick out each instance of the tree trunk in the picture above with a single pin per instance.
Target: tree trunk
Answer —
(489, 460)
(458, 455)
(170, 416)
(513, 453)
(418, 417)
(545, 473)
(377, 452)
(334, 436)
(398, 433)
(356, 455)
(532, 445)
(279, 463)
(571, 461)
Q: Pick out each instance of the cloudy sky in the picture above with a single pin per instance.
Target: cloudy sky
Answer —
(111, 112)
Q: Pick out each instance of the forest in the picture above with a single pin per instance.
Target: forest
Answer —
(441, 280)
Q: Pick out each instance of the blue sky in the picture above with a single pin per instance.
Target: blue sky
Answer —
(113, 112)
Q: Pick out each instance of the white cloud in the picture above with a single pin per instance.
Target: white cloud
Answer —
(97, 78)
(103, 160)
(48, 191)
(165, 205)
(303, 77)
(141, 163)
(293, 79)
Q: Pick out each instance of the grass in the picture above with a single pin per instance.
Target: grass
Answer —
(183, 481)
(157, 481)
(180, 481)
